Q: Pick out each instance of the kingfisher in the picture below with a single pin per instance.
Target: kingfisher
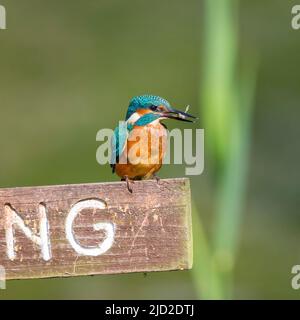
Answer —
(139, 143)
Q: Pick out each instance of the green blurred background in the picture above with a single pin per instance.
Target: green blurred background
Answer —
(68, 68)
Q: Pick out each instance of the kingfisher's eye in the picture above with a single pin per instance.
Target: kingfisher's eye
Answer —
(153, 108)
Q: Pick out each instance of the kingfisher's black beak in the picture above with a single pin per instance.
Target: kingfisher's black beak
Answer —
(179, 115)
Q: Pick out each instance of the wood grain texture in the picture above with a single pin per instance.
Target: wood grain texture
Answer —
(152, 228)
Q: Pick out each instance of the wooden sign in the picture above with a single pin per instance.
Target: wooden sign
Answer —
(100, 228)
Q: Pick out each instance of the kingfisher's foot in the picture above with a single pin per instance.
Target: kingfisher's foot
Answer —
(157, 178)
(127, 183)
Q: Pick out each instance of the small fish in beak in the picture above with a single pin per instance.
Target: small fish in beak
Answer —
(179, 115)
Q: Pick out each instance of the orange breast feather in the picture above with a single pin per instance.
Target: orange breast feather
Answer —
(144, 152)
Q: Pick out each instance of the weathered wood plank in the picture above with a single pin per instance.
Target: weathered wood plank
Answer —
(149, 230)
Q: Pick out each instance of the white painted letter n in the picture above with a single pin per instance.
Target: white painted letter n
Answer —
(13, 219)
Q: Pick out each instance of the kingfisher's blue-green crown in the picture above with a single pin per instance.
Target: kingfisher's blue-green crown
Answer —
(145, 102)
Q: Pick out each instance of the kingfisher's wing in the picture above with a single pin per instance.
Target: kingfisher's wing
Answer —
(118, 143)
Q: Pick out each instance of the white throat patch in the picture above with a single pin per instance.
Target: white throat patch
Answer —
(133, 118)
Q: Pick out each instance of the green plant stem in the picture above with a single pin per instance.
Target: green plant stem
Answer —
(232, 185)
(227, 103)
(206, 279)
